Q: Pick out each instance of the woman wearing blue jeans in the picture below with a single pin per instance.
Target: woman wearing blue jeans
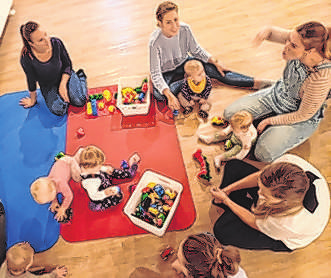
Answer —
(293, 106)
(46, 61)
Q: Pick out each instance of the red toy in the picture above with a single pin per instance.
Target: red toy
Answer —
(204, 171)
(166, 253)
(80, 132)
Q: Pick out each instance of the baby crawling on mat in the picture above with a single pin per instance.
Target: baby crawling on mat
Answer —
(97, 177)
(45, 189)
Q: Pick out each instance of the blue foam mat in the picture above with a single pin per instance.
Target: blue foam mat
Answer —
(30, 138)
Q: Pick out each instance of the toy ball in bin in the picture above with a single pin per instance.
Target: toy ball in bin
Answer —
(154, 202)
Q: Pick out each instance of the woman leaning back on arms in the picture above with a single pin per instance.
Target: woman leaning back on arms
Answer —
(45, 60)
(293, 107)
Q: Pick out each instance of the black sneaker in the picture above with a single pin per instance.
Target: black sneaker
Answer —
(203, 114)
(80, 73)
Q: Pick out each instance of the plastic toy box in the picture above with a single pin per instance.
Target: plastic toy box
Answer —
(134, 108)
(167, 183)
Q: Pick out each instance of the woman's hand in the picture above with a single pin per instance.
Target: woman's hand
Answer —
(262, 125)
(27, 102)
(173, 102)
(219, 195)
(64, 92)
(220, 67)
(264, 34)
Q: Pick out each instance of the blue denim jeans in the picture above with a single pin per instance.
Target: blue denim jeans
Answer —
(77, 91)
(275, 140)
(175, 78)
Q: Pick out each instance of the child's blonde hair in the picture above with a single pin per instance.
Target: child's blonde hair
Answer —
(241, 119)
(192, 66)
(91, 156)
(19, 257)
(43, 190)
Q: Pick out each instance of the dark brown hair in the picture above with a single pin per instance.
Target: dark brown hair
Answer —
(206, 257)
(26, 30)
(287, 182)
(165, 7)
(315, 35)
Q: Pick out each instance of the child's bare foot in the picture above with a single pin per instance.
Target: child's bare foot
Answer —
(134, 159)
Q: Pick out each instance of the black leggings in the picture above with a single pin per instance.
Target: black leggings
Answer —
(229, 229)
(175, 78)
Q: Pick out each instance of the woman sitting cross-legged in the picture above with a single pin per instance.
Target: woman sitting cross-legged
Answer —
(282, 207)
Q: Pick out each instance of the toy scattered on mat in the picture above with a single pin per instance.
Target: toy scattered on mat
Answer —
(155, 204)
(219, 121)
(59, 155)
(135, 95)
(55, 188)
(204, 170)
(166, 253)
(80, 132)
(97, 179)
(101, 104)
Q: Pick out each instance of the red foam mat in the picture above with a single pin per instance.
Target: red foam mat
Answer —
(159, 149)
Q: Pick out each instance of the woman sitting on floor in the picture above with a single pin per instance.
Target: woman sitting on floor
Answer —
(171, 45)
(45, 60)
(293, 107)
(282, 207)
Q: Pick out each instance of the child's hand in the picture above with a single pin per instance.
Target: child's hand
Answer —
(134, 159)
(61, 271)
(202, 101)
(54, 206)
(60, 214)
(109, 169)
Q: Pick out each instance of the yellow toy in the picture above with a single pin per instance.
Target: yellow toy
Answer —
(107, 95)
(101, 105)
(89, 108)
(111, 108)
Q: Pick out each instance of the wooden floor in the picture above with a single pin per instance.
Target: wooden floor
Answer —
(109, 39)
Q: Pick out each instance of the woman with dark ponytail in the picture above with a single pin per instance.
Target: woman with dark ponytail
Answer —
(201, 255)
(45, 60)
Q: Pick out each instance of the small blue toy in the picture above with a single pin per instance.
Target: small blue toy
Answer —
(124, 164)
(159, 190)
(94, 107)
(175, 112)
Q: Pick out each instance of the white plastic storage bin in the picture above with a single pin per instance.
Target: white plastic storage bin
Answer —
(132, 109)
(131, 205)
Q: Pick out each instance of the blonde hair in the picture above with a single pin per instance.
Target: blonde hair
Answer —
(287, 182)
(40, 184)
(91, 156)
(163, 8)
(18, 257)
(241, 119)
(192, 66)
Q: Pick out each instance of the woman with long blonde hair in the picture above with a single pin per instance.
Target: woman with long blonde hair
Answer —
(282, 207)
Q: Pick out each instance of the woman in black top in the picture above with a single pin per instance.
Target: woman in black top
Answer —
(46, 61)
